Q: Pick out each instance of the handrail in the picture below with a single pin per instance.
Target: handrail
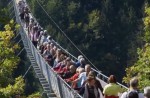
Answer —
(106, 77)
(99, 72)
(42, 63)
(36, 53)
(31, 15)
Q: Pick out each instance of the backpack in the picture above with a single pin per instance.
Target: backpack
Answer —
(132, 94)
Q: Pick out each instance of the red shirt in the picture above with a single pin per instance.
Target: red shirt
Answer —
(63, 70)
(59, 66)
(74, 77)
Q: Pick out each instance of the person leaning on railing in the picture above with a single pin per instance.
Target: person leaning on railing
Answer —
(80, 62)
(60, 65)
(112, 89)
(82, 77)
(70, 73)
(65, 68)
(79, 70)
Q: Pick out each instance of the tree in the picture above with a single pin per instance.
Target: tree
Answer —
(114, 25)
(4, 16)
(12, 66)
(35, 95)
(141, 67)
(8, 62)
(11, 90)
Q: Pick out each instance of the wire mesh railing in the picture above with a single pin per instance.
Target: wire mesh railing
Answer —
(60, 87)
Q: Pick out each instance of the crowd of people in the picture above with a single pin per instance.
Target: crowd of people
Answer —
(78, 74)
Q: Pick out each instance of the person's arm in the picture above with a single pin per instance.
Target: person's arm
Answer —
(105, 91)
(44, 53)
(80, 76)
(62, 71)
(99, 86)
(76, 80)
(120, 89)
(72, 78)
(124, 95)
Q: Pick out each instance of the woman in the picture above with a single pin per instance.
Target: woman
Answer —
(34, 37)
(90, 90)
(111, 90)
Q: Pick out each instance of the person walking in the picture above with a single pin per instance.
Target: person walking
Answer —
(112, 89)
(133, 89)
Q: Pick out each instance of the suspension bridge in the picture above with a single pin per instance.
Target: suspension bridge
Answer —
(53, 85)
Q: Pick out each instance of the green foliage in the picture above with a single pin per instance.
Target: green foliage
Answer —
(35, 95)
(147, 25)
(141, 68)
(4, 16)
(94, 20)
(98, 28)
(16, 88)
(11, 83)
(94, 17)
(8, 62)
(73, 8)
(53, 5)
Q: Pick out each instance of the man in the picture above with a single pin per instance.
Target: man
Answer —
(133, 88)
(147, 92)
(70, 73)
(81, 62)
(83, 76)
(43, 37)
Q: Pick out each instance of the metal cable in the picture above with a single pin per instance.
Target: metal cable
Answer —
(67, 36)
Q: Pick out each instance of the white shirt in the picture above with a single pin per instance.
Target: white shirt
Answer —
(82, 78)
(43, 39)
(124, 95)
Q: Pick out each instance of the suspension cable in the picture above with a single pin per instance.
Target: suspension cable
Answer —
(66, 35)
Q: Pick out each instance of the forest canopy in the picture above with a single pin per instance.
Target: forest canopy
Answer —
(111, 33)
(12, 83)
